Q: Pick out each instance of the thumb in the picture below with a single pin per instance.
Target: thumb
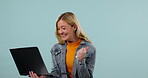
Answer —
(87, 48)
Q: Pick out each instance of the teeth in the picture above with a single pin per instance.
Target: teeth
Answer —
(63, 35)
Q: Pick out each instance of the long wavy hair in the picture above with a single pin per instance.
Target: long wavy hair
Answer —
(71, 19)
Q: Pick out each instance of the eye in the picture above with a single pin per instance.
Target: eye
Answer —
(58, 28)
(64, 28)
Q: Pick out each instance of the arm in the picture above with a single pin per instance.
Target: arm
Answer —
(86, 66)
(55, 68)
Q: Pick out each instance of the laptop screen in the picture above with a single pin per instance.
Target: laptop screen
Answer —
(28, 59)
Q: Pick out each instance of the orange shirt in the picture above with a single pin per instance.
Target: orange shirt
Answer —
(70, 53)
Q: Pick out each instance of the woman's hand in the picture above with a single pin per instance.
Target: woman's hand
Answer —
(81, 53)
(34, 75)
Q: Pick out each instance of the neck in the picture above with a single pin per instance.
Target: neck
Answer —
(73, 39)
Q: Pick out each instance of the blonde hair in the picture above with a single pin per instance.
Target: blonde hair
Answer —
(71, 19)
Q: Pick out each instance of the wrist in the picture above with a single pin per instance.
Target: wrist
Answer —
(81, 62)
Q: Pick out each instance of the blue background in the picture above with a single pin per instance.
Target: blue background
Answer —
(117, 28)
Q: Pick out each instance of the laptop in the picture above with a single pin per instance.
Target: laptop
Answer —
(28, 59)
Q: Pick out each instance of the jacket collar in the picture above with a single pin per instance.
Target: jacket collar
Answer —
(82, 42)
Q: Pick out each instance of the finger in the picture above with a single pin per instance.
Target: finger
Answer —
(35, 75)
(83, 49)
(42, 76)
(87, 48)
(80, 51)
(84, 52)
(30, 74)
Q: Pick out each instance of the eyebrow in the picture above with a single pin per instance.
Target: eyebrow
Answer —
(61, 26)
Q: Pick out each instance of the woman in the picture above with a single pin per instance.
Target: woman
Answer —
(73, 54)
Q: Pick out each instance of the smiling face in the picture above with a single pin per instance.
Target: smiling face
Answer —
(65, 31)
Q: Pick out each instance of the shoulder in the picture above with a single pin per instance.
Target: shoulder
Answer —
(56, 48)
(91, 50)
(88, 44)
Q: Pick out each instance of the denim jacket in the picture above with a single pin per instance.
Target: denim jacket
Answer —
(80, 69)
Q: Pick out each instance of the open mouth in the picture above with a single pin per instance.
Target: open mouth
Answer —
(63, 35)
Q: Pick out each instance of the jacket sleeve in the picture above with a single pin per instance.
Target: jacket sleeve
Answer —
(85, 67)
(55, 69)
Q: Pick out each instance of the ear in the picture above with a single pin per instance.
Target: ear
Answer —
(75, 27)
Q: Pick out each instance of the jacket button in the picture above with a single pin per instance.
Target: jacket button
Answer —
(74, 65)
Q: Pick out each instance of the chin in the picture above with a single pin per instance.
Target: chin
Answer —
(64, 39)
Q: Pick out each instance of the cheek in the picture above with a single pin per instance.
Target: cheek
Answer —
(71, 34)
(66, 31)
(58, 31)
(69, 31)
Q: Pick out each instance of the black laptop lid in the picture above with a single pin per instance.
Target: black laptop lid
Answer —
(28, 59)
